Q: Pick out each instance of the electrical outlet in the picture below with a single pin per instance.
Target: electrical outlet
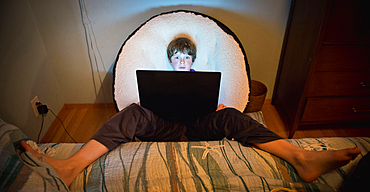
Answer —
(34, 106)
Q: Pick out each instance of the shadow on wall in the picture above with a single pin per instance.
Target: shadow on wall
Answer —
(105, 94)
(257, 36)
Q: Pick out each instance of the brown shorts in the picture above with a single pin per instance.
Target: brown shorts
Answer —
(136, 121)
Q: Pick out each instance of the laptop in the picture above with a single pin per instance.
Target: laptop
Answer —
(179, 95)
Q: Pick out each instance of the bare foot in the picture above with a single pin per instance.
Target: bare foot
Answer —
(312, 164)
(61, 166)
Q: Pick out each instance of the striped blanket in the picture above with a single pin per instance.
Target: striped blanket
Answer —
(222, 165)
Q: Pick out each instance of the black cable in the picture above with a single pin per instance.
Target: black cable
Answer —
(42, 125)
(41, 109)
(90, 38)
(63, 125)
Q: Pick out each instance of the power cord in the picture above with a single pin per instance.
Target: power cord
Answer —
(63, 126)
(43, 109)
(93, 52)
(42, 125)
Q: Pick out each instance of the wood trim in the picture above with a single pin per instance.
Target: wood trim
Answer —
(88, 105)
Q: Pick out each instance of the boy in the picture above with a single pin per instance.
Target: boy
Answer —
(181, 53)
(137, 121)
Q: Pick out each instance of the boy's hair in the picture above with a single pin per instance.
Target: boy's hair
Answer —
(183, 45)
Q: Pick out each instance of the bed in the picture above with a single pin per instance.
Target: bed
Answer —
(222, 165)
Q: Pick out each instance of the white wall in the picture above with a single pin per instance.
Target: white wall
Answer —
(25, 69)
(44, 47)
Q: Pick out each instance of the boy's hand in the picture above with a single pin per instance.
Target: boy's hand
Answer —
(220, 107)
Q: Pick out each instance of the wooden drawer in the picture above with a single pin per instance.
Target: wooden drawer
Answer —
(344, 58)
(349, 21)
(339, 84)
(336, 109)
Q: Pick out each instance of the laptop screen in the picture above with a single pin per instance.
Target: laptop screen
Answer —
(179, 95)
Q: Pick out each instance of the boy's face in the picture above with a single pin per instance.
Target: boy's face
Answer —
(181, 61)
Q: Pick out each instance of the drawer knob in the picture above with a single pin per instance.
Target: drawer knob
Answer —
(360, 110)
(363, 84)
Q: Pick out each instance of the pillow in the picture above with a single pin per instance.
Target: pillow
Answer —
(218, 49)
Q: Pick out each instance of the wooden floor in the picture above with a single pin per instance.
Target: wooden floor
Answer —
(83, 120)
(80, 120)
